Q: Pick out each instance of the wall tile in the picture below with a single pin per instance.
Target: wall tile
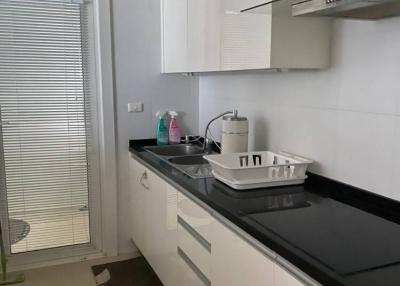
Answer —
(346, 117)
(364, 150)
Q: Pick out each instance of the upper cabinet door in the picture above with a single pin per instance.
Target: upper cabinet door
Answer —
(237, 263)
(245, 38)
(214, 35)
(174, 31)
(204, 35)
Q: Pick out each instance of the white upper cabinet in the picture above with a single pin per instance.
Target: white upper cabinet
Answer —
(203, 35)
(174, 33)
(213, 35)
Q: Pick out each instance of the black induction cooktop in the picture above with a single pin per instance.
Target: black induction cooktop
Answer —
(354, 241)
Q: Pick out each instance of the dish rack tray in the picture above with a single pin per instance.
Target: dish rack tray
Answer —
(263, 169)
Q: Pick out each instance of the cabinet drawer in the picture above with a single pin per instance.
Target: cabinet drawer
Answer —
(188, 274)
(197, 251)
(283, 278)
(199, 219)
(235, 262)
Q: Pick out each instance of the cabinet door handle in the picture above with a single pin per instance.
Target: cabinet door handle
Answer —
(142, 178)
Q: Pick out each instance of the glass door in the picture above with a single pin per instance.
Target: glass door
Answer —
(46, 124)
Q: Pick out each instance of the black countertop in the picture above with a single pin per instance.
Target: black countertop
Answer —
(337, 234)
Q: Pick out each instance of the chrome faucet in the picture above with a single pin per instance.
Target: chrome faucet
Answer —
(206, 143)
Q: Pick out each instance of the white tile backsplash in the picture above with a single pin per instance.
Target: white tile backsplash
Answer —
(346, 118)
(365, 149)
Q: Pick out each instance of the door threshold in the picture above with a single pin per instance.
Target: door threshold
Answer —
(52, 257)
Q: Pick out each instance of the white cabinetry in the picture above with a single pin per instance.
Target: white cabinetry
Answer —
(139, 200)
(194, 243)
(174, 35)
(190, 35)
(212, 35)
(187, 246)
(283, 278)
(236, 263)
(203, 35)
(154, 221)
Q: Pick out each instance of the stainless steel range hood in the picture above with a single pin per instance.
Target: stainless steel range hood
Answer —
(363, 9)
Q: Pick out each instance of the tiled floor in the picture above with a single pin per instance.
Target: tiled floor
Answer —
(129, 272)
(49, 229)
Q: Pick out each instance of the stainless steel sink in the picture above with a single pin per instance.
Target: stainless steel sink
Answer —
(176, 150)
(188, 160)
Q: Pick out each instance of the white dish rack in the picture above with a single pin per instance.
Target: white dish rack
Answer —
(263, 169)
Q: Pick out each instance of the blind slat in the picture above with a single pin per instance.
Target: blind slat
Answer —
(45, 112)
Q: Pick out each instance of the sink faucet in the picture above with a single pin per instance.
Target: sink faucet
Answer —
(205, 144)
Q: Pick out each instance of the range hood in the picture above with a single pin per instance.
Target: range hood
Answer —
(361, 9)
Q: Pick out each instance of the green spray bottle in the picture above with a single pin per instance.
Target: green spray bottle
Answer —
(162, 129)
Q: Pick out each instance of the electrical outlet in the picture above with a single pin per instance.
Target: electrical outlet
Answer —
(135, 107)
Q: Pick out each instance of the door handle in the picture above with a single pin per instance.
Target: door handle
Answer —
(142, 178)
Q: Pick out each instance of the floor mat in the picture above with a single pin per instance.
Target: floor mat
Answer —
(133, 272)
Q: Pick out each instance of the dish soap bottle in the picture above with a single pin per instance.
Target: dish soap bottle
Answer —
(162, 130)
(174, 130)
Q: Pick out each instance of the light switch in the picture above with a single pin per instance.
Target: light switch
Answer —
(135, 107)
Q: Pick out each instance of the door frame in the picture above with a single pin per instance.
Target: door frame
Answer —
(3, 195)
(104, 224)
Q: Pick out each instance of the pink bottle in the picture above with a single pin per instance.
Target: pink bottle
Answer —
(175, 133)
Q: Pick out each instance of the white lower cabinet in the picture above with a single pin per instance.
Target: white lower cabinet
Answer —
(187, 246)
(194, 215)
(283, 278)
(163, 231)
(188, 275)
(237, 263)
(139, 199)
(154, 221)
(194, 243)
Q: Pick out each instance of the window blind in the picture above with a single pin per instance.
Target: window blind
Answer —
(45, 116)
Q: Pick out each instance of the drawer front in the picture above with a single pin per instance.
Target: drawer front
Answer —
(198, 251)
(283, 278)
(188, 274)
(199, 219)
(235, 262)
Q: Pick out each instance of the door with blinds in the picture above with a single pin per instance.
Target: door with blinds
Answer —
(46, 123)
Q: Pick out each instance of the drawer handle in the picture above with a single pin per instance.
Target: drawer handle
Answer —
(197, 236)
(193, 267)
(142, 178)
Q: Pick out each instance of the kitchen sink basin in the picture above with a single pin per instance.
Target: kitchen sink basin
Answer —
(188, 160)
(176, 150)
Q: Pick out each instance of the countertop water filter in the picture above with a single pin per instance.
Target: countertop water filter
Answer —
(235, 134)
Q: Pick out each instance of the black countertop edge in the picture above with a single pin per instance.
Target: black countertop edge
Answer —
(358, 198)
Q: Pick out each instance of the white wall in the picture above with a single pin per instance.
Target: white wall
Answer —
(137, 60)
(346, 118)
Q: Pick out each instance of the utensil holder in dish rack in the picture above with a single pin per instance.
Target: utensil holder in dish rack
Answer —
(259, 169)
